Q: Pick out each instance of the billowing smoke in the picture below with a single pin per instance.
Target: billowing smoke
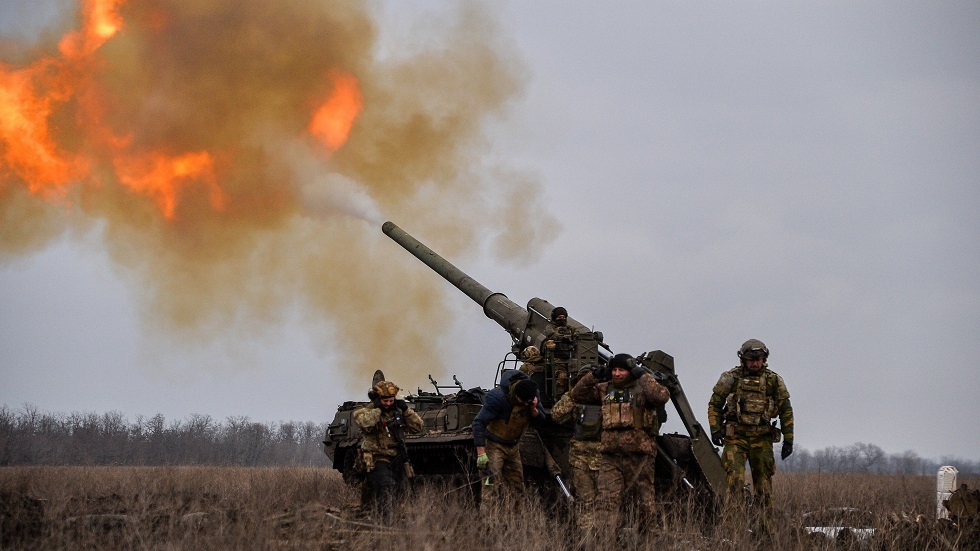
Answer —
(239, 156)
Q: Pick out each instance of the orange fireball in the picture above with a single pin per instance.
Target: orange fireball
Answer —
(334, 118)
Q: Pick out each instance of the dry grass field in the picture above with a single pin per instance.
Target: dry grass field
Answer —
(311, 508)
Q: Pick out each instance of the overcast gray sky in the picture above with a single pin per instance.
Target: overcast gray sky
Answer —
(804, 174)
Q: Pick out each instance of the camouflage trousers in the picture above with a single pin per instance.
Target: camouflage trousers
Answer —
(562, 382)
(506, 481)
(757, 450)
(584, 457)
(621, 475)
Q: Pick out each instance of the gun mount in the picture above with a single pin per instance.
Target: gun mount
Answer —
(684, 462)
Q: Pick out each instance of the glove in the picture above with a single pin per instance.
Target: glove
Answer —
(717, 438)
(787, 450)
(638, 372)
(601, 373)
(482, 461)
(400, 404)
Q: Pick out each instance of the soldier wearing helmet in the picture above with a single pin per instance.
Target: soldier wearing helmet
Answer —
(532, 360)
(630, 398)
(384, 422)
(535, 367)
(742, 403)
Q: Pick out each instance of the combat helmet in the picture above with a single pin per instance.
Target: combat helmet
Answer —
(386, 389)
(753, 349)
(530, 352)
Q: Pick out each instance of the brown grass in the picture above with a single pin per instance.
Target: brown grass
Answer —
(311, 508)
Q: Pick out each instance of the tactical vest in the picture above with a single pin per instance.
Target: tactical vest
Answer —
(563, 338)
(588, 423)
(748, 402)
(620, 411)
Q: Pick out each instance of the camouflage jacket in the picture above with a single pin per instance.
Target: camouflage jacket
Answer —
(583, 454)
(563, 411)
(381, 427)
(629, 411)
(746, 402)
(532, 365)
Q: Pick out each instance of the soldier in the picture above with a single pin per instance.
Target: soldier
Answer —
(583, 455)
(533, 361)
(559, 345)
(497, 430)
(741, 405)
(534, 367)
(630, 398)
(384, 423)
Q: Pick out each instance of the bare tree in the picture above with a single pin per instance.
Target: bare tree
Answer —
(869, 457)
(907, 462)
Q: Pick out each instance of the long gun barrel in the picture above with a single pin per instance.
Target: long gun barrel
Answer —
(496, 306)
(519, 322)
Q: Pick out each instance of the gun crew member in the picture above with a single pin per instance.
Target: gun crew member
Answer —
(583, 456)
(384, 423)
(559, 344)
(497, 430)
(630, 398)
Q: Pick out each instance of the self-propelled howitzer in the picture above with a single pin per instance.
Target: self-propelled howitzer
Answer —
(684, 461)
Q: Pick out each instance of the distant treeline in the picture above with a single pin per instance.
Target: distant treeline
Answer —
(869, 458)
(30, 437)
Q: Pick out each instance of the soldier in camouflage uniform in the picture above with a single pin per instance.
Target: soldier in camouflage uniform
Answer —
(741, 405)
(534, 366)
(384, 423)
(630, 399)
(559, 344)
(583, 455)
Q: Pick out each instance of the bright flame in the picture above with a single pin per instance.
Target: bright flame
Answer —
(25, 141)
(101, 22)
(161, 176)
(29, 96)
(333, 120)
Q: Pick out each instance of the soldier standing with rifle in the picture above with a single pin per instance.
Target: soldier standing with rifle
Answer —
(741, 405)
(630, 398)
(383, 450)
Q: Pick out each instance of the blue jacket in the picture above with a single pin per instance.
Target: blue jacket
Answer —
(498, 407)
